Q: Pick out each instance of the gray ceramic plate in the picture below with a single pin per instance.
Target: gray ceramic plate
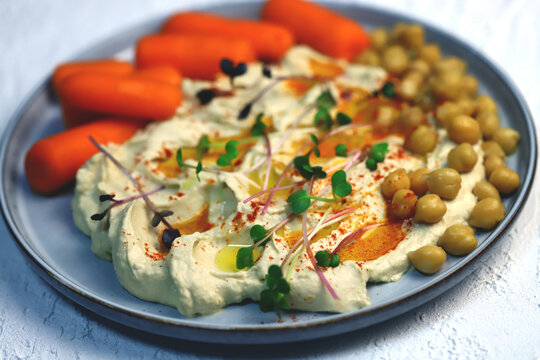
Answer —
(44, 231)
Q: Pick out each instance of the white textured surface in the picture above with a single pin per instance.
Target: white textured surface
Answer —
(495, 313)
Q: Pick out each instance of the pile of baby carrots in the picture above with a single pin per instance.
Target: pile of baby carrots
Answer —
(111, 99)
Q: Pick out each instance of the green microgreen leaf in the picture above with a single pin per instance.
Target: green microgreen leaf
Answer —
(202, 147)
(378, 157)
(158, 217)
(381, 147)
(257, 232)
(299, 201)
(259, 127)
(388, 90)
(340, 186)
(323, 258)
(323, 118)
(179, 158)
(198, 170)
(334, 260)
(341, 150)
(231, 152)
(325, 100)
(371, 164)
(273, 298)
(343, 119)
(315, 145)
(244, 258)
(301, 163)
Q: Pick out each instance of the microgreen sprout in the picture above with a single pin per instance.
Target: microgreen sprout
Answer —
(198, 168)
(267, 72)
(205, 96)
(343, 119)
(325, 100)
(315, 141)
(257, 232)
(232, 71)
(273, 298)
(323, 119)
(325, 259)
(388, 89)
(203, 146)
(259, 127)
(231, 152)
(341, 150)
(300, 200)
(376, 155)
(244, 258)
(170, 233)
(115, 203)
(301, 163)
(340, 186)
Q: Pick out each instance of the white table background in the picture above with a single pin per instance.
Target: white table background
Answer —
(495, 313)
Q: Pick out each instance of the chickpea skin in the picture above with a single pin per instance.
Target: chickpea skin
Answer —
(463, 129)
(411, 117)
(462, 158)
(450, 64)
(493, 162)
(421, 66)
(428, 259)
(469, 84)
(467, 105)
(489, 123)
(430, 53)
(403, 204)
(492, 148)
(395, 59)
(507, 138)
(395, 181)
(487, 213)
(413, 36)
(409, 86)
(444, 182)
(505, 180)
(418, 182)
(379, 38)
(448, 85)
(485, 104)
(446, 112)
(422, 140)
(368, 57)
(485, 189)
(458, 240)
(429, 209)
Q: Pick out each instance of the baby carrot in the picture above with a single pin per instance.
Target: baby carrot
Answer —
(121, 95)
(195, 56)
(270, 41)
(324, 30)
(52, 163)
(108, 66)
(74, 117)
(163, 73)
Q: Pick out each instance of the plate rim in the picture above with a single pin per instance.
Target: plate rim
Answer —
(59, 283)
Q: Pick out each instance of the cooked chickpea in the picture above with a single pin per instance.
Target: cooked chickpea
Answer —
(484, 189)
(467, 105)
(450, 64)
(420, 66)
(462, 158)
(395, 181)
(446, 112)
(463, 129)
(428, 259)
(395, 59)
(418, 182)
(492, 148)
(444, 182)
(429, 209)
(413, 36)
(422, 140)
(458, 240)
(426, 99)
(469, 84)
(485, 104)
(411, 117)
(368, 57)
(489, 123)
(403, 203)
(396, 34)
(507, 138)
(409, 85)
(447, 85)
(491, 163)
(487, 213)
(379, 38)
(386, 115)
(504, 179)
(430, 53)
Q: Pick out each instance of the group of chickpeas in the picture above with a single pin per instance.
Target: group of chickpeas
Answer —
(422, 79)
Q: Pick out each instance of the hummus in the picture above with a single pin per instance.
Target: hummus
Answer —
(198, 275)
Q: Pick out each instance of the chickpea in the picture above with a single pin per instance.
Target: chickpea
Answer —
(450, 64)
(426, 99)
(469, 84)
(485, 104)
(395, 59)
(484, 189)
(421, 66)
(430, 53)
(463, 129)
(444, 182)
(504, 179)
(487, 213)
(507, 138)
(458, 240)
(428, 259)
(446, 112)
(489, 123)
(368, 57)
(429, 209)
(379, 38)
(448, 85)
(491, 163)
(492, 148)
(467, 105)
(386, 115)
(397, 32)
(422, 140)
(411, 117)
(395, 181)
(409, 86)
(418, 182)
(403, 203)
(413, 36)
(462, 158)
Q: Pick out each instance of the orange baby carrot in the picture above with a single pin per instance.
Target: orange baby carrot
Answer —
(163, 73)
(52, 163)
(108, 66)
(318, 27)
(121, 95)
(195, 56)
(74, 117)
(270, 41)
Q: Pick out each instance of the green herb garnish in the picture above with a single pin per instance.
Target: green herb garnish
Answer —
(324, 259)
(323, 119)
(273, 298)
(231, 152)
(340, 186)
(376, 155)
(315, 145)
(244, 258)
(301, 163)
(341, 150)
(203, 146)
(259, 127)
(300, 200)
(343, 119)
(388, 90)
(257, 233)
(325, 100)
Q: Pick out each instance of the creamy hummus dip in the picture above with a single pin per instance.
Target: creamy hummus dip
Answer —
(198, 275)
